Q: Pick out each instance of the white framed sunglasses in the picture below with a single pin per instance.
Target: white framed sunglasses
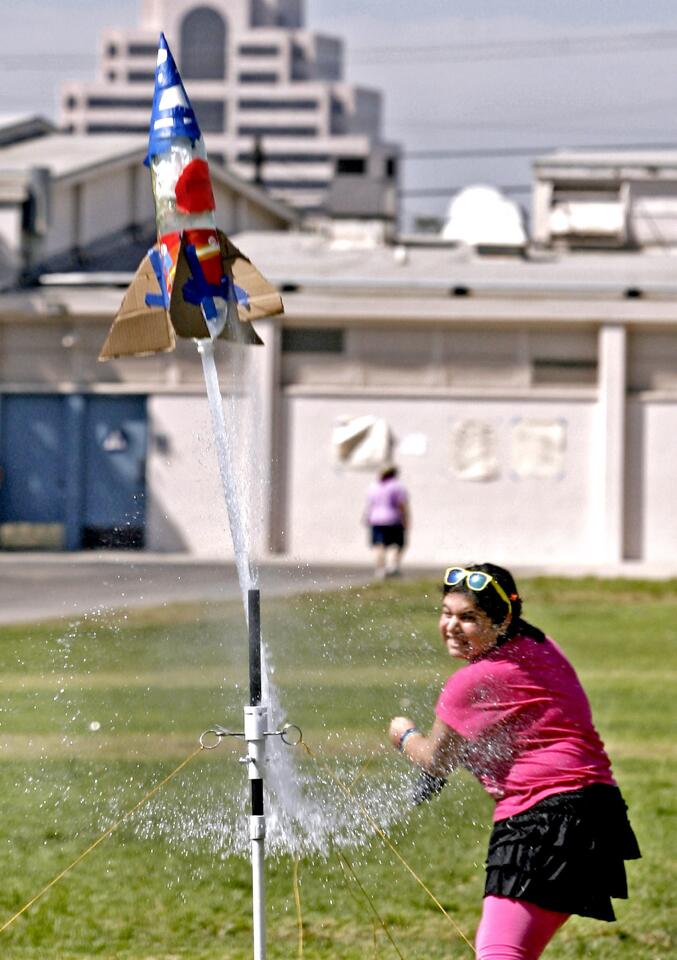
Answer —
(475, 580)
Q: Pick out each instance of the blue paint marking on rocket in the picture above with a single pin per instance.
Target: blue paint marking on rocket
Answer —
(172, 114)
(200, 291)
(157, 299)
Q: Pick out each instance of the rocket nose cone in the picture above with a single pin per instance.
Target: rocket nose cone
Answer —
(163, 55)
(172, 114)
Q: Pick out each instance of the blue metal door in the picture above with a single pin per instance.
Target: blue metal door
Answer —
(32, 459)
(114, 471)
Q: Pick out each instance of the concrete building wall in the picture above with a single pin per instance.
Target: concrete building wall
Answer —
(186, 504)
(98, 192)
(185, 507)
(651, 479)
(518, 519)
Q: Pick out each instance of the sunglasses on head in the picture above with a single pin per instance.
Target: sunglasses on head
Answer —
(475, 580)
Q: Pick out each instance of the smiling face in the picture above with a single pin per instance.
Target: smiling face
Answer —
(465, 629)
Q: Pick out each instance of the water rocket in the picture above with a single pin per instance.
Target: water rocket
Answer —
(194, 282)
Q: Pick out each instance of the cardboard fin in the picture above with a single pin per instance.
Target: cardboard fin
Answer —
(263, 298)
(187, 318)
(137, 328)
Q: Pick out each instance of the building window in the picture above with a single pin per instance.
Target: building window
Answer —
(211, 115)
(299, 63)
(203, 45)
(133, 103)
(258, 50)
(312, 340)
(275, 184)
(116, 128)
(562, 371)
(141, 76)
(252, 104)
(252, 77)
(256, 131)
(276, 156)
(112, 50)
(142, 50)
(70, 103)
(351, 165)
(391, 168)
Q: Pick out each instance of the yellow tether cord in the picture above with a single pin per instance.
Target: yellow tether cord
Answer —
(297, 897)
(107, 833)
(345, 864)
(389, 843)
(297, 901)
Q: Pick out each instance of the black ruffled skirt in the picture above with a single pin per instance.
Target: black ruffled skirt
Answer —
(565, 853)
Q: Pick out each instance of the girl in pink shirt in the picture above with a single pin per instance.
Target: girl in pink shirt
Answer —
(518, 718)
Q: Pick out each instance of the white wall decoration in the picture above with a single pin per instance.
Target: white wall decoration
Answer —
(361, 443)
(538, 448)
(473, 450)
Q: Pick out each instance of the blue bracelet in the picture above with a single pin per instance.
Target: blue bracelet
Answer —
(407, 733)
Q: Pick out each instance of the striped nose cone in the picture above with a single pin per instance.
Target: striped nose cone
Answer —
(172, 115)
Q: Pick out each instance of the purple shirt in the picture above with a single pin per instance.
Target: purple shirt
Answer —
(527, 723)
(386, 500)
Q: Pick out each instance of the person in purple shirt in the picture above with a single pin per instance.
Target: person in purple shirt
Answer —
(387, 516)
(516, 716)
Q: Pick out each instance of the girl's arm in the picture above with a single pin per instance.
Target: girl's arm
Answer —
(437, 752)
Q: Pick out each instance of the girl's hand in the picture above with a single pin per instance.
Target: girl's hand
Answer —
(397, 727)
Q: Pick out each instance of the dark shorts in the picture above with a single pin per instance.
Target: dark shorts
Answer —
(389, 536)
(565, 853)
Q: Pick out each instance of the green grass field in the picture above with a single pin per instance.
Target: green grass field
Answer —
(94, 713)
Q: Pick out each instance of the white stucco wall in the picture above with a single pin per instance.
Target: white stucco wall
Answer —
(511, 519)
(651, 469)
(185, 506)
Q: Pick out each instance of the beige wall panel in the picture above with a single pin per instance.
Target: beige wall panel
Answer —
(105, 201)
(33, 353)
(651, 471)
(511, 520)
(60, 236)
(185, 509)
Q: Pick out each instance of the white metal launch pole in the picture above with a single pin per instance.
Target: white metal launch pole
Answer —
(255, 729)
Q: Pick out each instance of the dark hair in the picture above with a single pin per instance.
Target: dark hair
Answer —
(387, 473)
(493, 604)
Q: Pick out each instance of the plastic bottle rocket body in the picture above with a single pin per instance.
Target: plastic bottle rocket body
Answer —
(194, 283)
(182, 191)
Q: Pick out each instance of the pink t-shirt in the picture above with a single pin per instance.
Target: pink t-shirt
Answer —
(385, 502)
(527, 723)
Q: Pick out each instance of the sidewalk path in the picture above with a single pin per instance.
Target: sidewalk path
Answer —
(42, 586)
(45, 586)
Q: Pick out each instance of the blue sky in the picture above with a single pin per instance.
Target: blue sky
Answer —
(463, 75)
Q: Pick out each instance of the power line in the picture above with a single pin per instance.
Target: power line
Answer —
(520, 49)
(473, 152)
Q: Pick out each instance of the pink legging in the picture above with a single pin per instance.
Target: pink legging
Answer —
(515, 930)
